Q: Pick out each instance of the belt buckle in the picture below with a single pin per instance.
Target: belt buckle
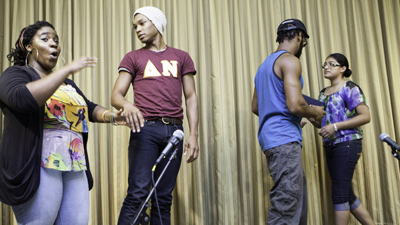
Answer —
(165, 122)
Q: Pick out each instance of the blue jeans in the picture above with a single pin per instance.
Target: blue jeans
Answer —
(62, 198)
(341, 159)
(144, 149)
(289, 194)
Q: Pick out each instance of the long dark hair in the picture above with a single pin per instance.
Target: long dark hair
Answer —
(342, 60)
(19, 54)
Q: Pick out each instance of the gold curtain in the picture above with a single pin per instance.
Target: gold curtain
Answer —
(228, 40)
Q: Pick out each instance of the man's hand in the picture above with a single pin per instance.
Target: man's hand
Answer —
(192, 146)
(303, 123)
(319, 110)
(134, 118)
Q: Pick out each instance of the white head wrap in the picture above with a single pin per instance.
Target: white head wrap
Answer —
(155, 15)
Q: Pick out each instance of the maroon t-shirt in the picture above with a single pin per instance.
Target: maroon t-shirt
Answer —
(157, 80)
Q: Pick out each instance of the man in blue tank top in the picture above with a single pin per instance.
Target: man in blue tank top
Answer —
(279, 103)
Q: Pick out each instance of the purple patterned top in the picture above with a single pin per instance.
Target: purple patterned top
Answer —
(341, 106)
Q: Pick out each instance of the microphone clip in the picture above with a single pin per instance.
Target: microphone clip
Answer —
(393, 145)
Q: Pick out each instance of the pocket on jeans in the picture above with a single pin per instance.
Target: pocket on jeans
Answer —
(359, 149)
(288, 199)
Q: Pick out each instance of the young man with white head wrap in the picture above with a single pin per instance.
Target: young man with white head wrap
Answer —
(158, 73)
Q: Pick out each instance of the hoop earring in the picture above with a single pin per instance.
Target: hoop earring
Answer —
(37, 53)
(62, 57)
(26, 60)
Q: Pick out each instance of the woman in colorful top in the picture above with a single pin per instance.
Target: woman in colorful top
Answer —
(346, 111)
(44, 167)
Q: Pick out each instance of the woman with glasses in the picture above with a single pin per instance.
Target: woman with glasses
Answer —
(346, 111)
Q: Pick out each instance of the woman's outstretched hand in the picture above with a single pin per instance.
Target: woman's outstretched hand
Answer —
(119, 118)
(81, 63)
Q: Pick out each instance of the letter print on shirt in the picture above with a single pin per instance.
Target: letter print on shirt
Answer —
(168, 69)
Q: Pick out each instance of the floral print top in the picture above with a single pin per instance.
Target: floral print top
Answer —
(66, 118)
(341, 106)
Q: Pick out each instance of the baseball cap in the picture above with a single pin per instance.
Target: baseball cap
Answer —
(297, 24)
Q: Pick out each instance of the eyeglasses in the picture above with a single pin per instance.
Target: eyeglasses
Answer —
(305, 42)
(330, 65)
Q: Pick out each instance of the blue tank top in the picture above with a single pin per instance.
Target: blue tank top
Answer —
(277, 125)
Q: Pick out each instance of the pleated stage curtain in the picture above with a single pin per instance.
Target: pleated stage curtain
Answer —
(228, 40)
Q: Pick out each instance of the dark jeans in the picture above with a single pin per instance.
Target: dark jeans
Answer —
(144, 149)
(341, 160)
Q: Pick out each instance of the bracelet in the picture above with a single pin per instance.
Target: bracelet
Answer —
(335, 127)
(112, 120)
(103, 116)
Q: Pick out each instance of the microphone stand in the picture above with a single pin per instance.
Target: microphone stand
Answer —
(141, 217)
(395, 153)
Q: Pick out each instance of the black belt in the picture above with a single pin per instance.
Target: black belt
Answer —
(170, 120)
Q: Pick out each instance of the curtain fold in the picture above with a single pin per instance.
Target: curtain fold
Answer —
(228, 39)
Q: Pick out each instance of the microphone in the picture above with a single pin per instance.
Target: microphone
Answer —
(385, 137)
(176, 137)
